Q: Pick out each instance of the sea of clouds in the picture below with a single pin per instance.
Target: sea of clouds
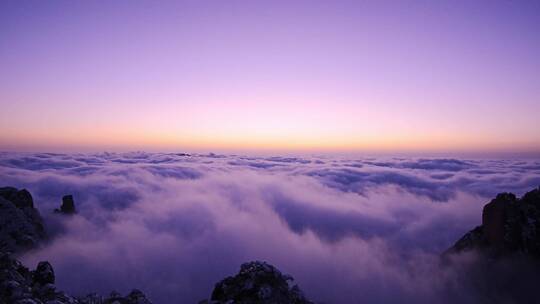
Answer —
(349, 230)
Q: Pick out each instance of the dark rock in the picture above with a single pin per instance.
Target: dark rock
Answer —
(21, 198)
(15, 280)
(68, 205)
(44, 274)
(473, 239)
(20, 285)
(21, 226)
(257, 282)
(134, 297)
(137, 297)
(509, 226)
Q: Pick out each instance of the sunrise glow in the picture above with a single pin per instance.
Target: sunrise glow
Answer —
(290, 76)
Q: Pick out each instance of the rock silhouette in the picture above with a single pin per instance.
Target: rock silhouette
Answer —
(19, 285)
(20, 198)
(500, 259)
(510, 225)
(21, 228)
(21, 224)
(257, 282)
(68, 205)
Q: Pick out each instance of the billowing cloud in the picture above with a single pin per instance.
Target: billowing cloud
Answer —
(347, 229)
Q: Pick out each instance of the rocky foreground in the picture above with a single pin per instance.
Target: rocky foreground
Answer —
(19, 285)
(257, 282)
(500, 259)
(22, 228)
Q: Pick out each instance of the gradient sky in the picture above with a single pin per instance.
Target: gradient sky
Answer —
(289, 75)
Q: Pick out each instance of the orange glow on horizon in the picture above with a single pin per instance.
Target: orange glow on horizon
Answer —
(124, 140)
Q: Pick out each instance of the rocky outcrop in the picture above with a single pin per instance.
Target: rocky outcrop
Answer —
(21, 226)
(510, 226)
(19, 285)
(134, 297)
(68, 205)
(501, 260)
(257, 282)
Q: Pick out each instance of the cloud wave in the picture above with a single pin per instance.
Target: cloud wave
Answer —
(173, 224)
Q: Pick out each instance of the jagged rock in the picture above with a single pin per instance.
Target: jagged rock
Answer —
(502, 264)
(509, 226)
(44, 273)
(134, 297)
(257, 282)
(21, 226)
(137, 297)
(20, 285)
(68, 205)
(21, 198)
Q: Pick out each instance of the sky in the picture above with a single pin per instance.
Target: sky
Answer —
(270, 75)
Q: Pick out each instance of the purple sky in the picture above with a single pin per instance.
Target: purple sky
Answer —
(281, 75)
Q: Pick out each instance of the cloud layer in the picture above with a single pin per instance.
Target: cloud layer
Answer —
(345, 228)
